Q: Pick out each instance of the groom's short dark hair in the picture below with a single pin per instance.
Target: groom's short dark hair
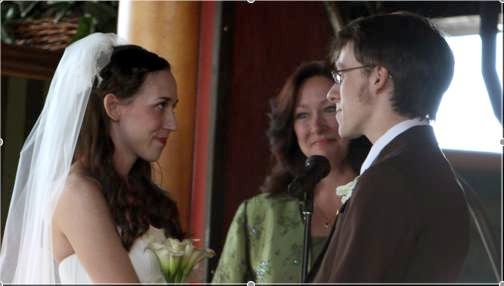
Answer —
(413, 51)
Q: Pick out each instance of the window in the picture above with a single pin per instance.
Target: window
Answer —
(465, 118)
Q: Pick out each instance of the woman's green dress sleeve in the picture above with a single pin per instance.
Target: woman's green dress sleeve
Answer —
(233, 264)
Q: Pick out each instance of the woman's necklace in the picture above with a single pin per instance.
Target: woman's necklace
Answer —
(327, 219)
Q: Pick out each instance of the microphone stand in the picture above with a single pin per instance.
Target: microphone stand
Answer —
(306, 211)
(316, 168)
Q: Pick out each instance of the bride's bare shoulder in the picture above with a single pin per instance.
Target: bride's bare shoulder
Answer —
(81, 192)
(78, 178)
(81, 207)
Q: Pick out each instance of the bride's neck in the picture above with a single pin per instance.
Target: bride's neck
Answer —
(123, 158)
(122, 164)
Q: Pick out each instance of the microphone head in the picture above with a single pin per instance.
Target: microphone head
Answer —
(318, 166)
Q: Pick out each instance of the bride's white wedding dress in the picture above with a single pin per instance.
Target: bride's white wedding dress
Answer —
(144, 261)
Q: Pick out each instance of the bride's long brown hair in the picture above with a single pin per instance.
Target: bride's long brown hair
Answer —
(135, 202)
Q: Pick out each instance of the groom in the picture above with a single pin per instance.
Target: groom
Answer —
(407, 219)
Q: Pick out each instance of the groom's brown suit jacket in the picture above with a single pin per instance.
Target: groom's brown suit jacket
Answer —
(406, 221)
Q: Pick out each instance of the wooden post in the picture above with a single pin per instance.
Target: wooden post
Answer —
(171, 29)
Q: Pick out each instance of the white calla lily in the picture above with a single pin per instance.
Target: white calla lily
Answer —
(178, 258)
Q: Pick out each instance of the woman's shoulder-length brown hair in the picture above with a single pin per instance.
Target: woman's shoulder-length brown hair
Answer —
(288, 160)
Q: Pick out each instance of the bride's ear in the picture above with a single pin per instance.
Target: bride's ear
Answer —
(111, 104)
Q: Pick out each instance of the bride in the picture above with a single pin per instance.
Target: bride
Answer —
(84, 205)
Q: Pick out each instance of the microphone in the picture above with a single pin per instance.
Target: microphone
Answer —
(316, 168)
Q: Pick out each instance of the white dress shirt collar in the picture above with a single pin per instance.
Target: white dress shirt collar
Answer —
(388, 136)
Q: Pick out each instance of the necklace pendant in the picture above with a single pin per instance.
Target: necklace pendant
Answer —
(326, 224)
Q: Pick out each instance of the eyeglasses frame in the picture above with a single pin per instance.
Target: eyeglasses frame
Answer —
(337, 75)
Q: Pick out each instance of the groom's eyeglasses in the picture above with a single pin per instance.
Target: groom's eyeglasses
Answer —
(337, 75)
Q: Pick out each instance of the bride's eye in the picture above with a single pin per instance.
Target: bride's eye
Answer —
(161, 106)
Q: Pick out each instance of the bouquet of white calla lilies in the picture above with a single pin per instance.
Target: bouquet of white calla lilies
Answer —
(178, 258)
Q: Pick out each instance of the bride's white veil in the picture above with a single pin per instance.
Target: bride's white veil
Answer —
(45, 160)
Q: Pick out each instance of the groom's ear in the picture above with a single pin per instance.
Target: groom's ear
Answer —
(380, 79)
(111, 104)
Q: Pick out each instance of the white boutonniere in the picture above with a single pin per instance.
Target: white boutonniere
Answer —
(345, 191)
(178, 258)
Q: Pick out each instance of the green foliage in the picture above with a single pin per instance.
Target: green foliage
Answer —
(94, 16)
